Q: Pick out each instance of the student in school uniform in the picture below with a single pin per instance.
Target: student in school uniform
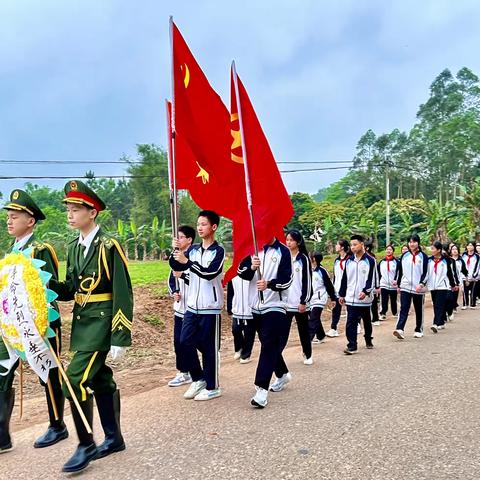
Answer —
(477, 283)
(271, 274)
(376, 283)
(387, 272)
(201, 322)
(411, 280)
(178, 287)
(240, 296)
(342, 247)
(472, 261)
(300, 291)
(404, 249)
(356, 292)
(440, 281)
(461, 274)
(322, 289)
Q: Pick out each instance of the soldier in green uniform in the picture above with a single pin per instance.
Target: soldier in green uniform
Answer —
(22, 216)
(97, 279)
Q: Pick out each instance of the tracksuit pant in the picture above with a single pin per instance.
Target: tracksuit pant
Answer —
(388, 295)
(201, 332)
(303, 331)
(273, 330)
(374, 308)
(336, 312)
(179, 356)
(452, 302)
(354, 315)
(243, 331)
(315, 323)
(439, 299)
(469, 299)
(406, 299)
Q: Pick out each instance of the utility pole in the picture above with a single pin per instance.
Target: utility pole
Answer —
(388, 164)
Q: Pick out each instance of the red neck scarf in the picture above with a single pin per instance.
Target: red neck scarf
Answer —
(414, 256)
(469, 258)
(436, 261)
(389, 258)
(342, 261)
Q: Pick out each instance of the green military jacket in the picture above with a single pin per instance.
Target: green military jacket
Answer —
(101, 287)
(42, 251)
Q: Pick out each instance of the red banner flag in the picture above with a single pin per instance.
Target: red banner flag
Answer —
(271, 204)
(201, 125)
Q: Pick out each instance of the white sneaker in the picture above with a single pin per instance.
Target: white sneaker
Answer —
(418, 335)
(316, 341)
(279, 384)
(464, 307)
(245, 360)
(308, 361)
(434, 328)
(181, 378)
(473, 308)
(383, 317)
(237, 355)
(208, 394)
(332, 333)
(194, 389)
(451, 317)
(440, 327)
(260, 399)
(359, 329)
(376, 324)
(399, 334)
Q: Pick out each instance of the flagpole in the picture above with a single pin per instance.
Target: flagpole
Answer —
(171, 127)
(170, 171)
(245, 167)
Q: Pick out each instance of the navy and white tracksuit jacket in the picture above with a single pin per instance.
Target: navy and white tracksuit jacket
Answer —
(322, 288)
(241, 294)
(440, 274)
(338, 266)
(412, 271)
(387, 273)
(276, 268)
(300, 290)
(358, 276)
(460, 269)
(472, 262)
(179, 285)
(205, 291)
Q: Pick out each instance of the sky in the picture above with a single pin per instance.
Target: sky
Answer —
(86, 80)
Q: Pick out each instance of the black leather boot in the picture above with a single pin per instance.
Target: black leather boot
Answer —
(7, 400)
(57, 429)
(109, 410)
(86, 450)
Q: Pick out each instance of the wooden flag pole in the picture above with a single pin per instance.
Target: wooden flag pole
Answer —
(52, 399)
(21, 389)
(70, 389)
(245, 166)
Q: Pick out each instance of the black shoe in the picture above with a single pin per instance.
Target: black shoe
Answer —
(369, 346)
(86, 450)
(53, 435)
(57, 431)
(7, 400)
(82, 457)
(349, 351)
(108, 406)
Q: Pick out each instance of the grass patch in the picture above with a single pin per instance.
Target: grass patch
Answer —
(154, 320)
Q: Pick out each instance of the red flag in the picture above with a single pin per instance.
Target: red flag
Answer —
(271, 204)
(201, 125)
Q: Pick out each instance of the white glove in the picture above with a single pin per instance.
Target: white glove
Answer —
(117, 352)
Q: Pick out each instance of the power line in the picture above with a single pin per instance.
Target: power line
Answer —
(130, 162)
